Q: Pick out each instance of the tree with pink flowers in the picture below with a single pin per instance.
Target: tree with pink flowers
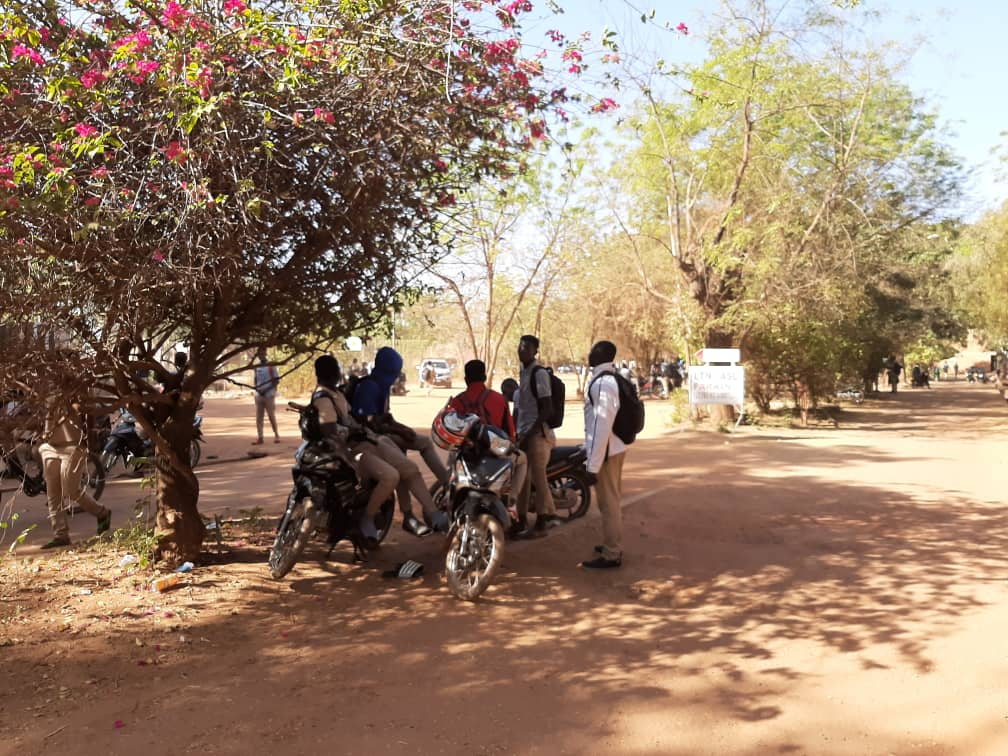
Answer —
(231, 175)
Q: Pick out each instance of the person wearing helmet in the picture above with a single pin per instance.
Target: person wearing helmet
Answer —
(338, 426)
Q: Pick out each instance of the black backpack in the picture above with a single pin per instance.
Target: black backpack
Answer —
(629, 420)
(311, 428)
(558, 393)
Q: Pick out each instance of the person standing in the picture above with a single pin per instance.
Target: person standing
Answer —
(893, 369)
(64, 458)
(266, 381)
(535, 438)
(605, 453)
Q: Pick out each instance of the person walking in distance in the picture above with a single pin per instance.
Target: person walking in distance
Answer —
(605, 453)
(893, 369)
(535, 438)
(266, 381)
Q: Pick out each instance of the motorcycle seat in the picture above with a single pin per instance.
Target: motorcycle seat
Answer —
(570, 455)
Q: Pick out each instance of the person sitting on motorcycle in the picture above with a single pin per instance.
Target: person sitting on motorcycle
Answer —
(370, 405)
(339, 427)
(492, 408)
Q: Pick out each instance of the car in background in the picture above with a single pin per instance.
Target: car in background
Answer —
(435, 371)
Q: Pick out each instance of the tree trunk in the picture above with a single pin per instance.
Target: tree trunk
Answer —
(180, 528)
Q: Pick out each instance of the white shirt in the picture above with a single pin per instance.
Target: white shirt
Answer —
(600, 408)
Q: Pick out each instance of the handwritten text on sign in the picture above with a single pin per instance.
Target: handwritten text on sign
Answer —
(716, 385)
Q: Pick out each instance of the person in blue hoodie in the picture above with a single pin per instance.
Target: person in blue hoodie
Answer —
(370, 404)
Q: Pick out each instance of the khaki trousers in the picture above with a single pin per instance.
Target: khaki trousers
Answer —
(370, 466)
(608, 489)
(62, 467)
(423, 444)
(410, 478)
(537, 450)
(265, 405)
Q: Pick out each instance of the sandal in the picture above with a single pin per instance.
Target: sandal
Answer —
(413, 526)
(56, 543)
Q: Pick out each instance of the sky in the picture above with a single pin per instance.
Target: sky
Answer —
(959, 63)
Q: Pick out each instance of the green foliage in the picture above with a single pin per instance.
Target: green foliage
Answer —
(980, 272)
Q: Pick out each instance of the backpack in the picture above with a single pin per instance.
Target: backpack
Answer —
(479, 408)
(558, 392)
(629, 420)
(311, 428)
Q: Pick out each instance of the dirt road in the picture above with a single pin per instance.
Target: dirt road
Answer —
(822, 591)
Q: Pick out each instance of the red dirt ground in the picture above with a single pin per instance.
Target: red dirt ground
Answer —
(821, 591)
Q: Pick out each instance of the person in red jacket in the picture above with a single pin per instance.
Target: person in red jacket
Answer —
(477, 399)
(492, 408)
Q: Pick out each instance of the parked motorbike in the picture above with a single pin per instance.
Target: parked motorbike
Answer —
(653, 387)
(480, 468)
(324, 484)
(569, 486)
(24, 464)
(127, 442)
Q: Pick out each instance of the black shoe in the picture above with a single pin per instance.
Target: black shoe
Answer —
(528, 534)
(599, 549)
(601, 563)
(56, 543)
(105, 522)
(545, 522)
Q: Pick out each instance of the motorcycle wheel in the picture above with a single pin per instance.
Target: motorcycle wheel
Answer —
(108, 459)
(93, 479)
(571, 495)
(295, 529)
(471, 567)
(384, 518)
(195, 451)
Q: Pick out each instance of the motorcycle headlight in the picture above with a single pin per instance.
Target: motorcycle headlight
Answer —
(499, 445)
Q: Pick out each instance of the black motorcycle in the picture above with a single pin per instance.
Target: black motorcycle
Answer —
(324, 485)
(128, 442)
(480, 468)
(24, 464)
(569, 486)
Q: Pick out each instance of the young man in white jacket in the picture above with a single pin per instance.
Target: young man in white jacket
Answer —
(605, 451)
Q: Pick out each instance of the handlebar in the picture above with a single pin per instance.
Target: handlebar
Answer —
(295, 407)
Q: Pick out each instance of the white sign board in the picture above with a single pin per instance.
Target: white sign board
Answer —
(708, 355)
(716, 384)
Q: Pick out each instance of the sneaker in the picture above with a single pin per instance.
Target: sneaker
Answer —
(601, 563)
(413, 526)
(56, 543)
(105, 521)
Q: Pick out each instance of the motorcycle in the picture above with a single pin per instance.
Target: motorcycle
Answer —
(481, 465)
(128, 442)
(324, 484)
(569, 486)
(653, 386)
(24, 463)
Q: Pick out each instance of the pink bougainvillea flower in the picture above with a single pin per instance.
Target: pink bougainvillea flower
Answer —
(92, 201)
(605, 104)
(572, 54)
(158, 256)
(23, 51)
(85, 130)
(232, 7)
(175, 152)
(147, 66)
(298, 119)
(119, 724)
(175, 16)
(321, 114)
(91, 78)
(682, 28)
(139, 40)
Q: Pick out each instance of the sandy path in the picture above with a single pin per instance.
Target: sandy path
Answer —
(826, 591)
